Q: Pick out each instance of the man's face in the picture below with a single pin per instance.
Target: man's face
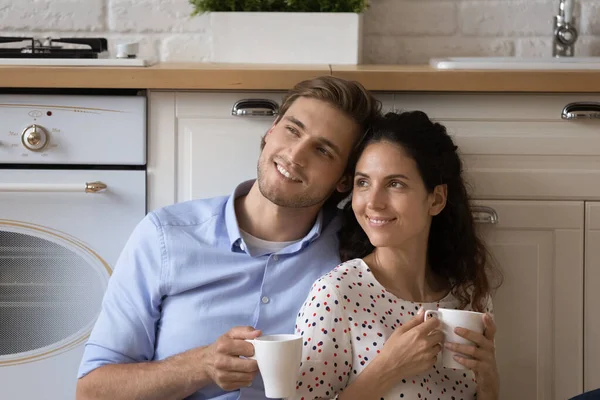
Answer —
(305, 154)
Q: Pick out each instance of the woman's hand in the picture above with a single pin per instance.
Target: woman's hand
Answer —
(483, 363)
(413, 347)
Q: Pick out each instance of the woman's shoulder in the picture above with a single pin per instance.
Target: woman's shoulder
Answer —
(348, 269)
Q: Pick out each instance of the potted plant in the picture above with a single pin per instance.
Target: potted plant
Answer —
(285, 31)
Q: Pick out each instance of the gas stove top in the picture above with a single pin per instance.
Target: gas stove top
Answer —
(65, 52)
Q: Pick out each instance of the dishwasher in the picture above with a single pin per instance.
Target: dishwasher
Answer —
(72, 189)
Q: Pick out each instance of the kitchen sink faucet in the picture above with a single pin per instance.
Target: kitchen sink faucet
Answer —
(565, 34)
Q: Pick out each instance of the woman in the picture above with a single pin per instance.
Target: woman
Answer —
(409, 244)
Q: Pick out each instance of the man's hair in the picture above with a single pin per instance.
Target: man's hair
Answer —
(350, 97)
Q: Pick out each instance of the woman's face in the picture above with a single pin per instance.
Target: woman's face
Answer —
(389, 198)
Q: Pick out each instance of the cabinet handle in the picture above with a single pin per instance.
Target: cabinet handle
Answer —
(255, 108)
(484, 215)
(581, 110)
(89, 187)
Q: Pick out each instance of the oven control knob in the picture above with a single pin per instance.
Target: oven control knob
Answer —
(34, 138)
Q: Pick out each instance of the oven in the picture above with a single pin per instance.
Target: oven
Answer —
(72, 189)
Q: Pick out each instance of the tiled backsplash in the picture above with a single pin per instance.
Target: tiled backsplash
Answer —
(396, 31)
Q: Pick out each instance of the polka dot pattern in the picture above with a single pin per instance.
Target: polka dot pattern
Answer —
(344, 322)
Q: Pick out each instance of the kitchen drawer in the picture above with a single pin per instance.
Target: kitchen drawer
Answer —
(510, 124)
(219, 104)
(215, 104)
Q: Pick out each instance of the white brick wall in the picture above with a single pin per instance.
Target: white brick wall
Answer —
(396, 31)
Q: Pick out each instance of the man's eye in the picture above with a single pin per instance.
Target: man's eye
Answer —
(323, 150)
(292, 130)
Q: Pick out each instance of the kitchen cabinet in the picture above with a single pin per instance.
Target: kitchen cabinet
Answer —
(539, 246)
(592, 297)
(538, 173)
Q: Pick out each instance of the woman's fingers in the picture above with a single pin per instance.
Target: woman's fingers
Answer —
(490, 327)
(472, 364)
(470, 350)
(475, 337)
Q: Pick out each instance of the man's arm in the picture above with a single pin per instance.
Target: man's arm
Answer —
(118, 358)
(173, 378)
(178, 376)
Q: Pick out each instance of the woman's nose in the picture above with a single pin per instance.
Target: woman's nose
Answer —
(375, 199)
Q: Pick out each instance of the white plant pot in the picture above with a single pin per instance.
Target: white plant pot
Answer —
(286, 38)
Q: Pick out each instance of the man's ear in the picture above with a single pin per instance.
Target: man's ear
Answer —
(345, 184)
(439, 198)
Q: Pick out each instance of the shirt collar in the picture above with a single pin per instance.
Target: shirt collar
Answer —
(233, 229)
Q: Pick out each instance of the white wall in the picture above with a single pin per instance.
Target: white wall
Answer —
(397, 31)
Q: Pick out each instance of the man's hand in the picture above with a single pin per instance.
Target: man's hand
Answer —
(223, 363)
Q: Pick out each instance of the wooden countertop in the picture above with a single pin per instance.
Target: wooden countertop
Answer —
(207, 76)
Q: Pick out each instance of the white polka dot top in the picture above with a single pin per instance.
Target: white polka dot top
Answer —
(344, 322)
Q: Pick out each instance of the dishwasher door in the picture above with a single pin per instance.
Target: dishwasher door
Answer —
(61, 232)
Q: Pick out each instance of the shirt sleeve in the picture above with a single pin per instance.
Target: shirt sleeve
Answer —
(327, 348)
(126, 326)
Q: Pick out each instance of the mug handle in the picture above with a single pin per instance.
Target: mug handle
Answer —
(430, 313)
(252, 343)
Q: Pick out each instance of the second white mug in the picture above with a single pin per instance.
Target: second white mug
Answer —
(278, 358)
(451, 319)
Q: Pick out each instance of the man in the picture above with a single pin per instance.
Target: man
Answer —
(197, 278)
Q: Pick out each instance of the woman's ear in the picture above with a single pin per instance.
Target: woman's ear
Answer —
(439, 197)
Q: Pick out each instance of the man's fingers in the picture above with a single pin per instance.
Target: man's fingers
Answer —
(243, 332)
(236, 378)
(235, 381)
(229, 365)
(234, 342)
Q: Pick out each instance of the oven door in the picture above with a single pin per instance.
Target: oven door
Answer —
(61, 232)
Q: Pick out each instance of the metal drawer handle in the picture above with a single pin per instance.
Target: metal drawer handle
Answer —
(89, 187)
(581, 110)
(255, 108)
(484, 215)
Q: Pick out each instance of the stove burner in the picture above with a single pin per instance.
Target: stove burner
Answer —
(36, 48)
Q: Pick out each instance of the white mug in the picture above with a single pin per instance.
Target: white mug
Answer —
(451, 319)
(278, 358)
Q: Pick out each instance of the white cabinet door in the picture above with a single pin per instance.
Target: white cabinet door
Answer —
(216, 150)
(538, 309)
(592, 296)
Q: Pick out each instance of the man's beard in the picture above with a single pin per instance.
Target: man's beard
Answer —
(279, 197)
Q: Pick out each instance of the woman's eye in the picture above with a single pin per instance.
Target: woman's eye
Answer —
(397, 185)
(361, 183)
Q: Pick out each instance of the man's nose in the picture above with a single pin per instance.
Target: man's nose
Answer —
(298, 153)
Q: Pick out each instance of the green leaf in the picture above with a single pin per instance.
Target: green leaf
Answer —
(354, 6)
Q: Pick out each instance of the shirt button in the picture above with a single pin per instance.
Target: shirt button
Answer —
(275, 257)
(265, 299)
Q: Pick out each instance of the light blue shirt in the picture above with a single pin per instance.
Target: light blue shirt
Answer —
(184, 278)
